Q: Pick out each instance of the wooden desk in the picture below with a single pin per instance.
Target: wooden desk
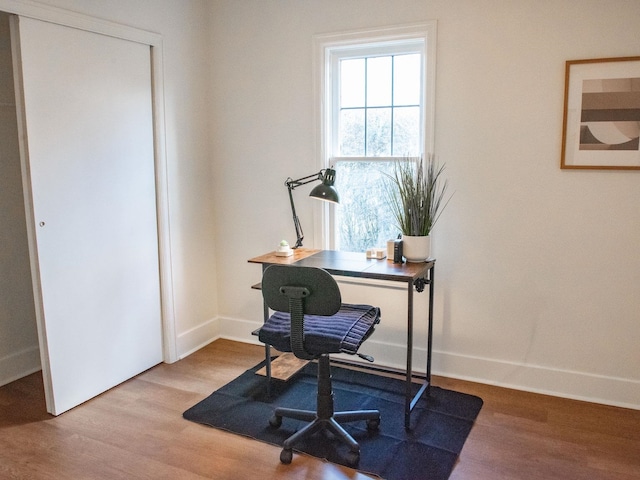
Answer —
(349, 264)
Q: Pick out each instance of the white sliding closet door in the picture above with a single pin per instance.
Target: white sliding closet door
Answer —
(88, 148)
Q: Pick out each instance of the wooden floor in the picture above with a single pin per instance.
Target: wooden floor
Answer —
(136, 431)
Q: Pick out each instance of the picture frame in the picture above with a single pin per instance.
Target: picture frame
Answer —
(601, 125)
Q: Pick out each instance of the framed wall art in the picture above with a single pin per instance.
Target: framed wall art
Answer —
(601, 127)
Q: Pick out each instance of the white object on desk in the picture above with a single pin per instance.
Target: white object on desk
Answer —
(284, 250)
(377, 253)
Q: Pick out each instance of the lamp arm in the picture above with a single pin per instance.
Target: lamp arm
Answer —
(292, 184)
(296, 220)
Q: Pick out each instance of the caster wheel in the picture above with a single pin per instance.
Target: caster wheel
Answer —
(275, 421)
(286, 455)
(373, 425)
(353, 458)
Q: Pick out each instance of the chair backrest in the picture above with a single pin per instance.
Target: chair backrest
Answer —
(300, 291)
(317, 288)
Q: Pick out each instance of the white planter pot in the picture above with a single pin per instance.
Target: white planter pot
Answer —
(416, 249)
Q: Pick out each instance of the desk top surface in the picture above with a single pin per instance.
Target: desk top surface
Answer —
(349, 264)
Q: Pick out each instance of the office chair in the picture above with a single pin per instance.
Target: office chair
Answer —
(311, 321)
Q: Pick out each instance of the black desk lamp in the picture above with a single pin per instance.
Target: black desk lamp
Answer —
(324, 191)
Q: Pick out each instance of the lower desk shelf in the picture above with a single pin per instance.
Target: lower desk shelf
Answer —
(283, 367)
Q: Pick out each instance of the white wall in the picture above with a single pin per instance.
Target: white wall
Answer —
(538, 269)
(19, 354)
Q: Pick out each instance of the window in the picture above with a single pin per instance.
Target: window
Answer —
(376, 100)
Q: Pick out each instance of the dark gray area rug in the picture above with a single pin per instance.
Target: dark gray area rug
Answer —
(440, 422)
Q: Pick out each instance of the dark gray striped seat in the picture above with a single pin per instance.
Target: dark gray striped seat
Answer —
(342, 332)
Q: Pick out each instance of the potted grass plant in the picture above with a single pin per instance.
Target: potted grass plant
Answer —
(416, 194)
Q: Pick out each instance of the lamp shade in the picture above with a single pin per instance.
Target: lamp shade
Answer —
(326, 191)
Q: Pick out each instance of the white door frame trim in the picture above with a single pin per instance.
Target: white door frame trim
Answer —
(38, 11)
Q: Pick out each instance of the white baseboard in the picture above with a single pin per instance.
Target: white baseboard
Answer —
(19, 364)
(619, 392)
(197, 337)
(240, 330)
(608, 390)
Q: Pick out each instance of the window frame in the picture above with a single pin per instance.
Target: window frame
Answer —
(332, 47)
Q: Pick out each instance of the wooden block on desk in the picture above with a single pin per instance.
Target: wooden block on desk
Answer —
(284, 367)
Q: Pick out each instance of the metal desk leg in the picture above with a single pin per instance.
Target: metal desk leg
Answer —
(267, 347)
(430, 327)
(411, 401)
(407, 400)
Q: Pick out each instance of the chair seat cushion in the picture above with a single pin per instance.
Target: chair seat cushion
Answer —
(343, 332)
